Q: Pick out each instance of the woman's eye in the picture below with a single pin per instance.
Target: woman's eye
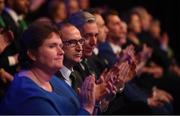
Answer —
(52, 46)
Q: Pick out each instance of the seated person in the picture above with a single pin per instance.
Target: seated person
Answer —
(39, 92)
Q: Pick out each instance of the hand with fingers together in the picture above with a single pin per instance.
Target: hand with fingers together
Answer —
(159, 98)
(162, 95)
(87, 94)
(127, 54)
(114, 81)
(5, 76)
(105, 87)
(6, 37)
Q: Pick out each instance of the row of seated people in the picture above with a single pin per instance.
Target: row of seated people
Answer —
(102, 55)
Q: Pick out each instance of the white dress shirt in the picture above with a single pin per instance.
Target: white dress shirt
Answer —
(66, 74)
(14, 15)
(116, 48)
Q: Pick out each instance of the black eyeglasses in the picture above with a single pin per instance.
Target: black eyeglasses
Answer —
(74, 42)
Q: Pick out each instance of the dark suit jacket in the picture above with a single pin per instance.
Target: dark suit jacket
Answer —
(97, 64)
(10, 24)
(106, 52)
(4, 62)
(13, 48)
(83, 69)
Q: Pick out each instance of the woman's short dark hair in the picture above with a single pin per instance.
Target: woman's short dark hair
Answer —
(33, 38)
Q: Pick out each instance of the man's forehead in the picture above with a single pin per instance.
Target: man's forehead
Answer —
(113, 18)
(69, 32)
(90, 29)
(99, 20)
(90, 25)
(69, 29)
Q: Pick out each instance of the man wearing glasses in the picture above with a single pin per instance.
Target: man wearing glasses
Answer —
(73, 52)
(72, 46)
(86, 23)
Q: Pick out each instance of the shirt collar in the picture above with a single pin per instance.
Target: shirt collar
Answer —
(116, 48)
(66, 73)
(14, 15)
(96, 51)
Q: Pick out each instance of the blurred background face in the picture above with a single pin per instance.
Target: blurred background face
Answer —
(1, 5)
(145, 17)
(35, 4)
(146, 21)
(84, 4)
(21, 6)
(114, 26)
(57, 11)
(73, 53)
(90, 33)
(102, 29)
(61, 11)
(72, 6)
(155, 29)
(123, 34)
(135, 25)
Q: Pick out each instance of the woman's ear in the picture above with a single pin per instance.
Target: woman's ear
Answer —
(31, 55)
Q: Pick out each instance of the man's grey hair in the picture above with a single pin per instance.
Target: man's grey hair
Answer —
(80, 18)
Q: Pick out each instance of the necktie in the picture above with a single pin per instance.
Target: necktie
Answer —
(73, 80)
(87, 67)
(2, 24)
(22, 24)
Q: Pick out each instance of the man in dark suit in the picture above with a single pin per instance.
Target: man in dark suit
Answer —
(87, 25)
(6, 64)
(85, 21)
(5, 67)
(113, 42)
(72, 42)
(7, 57)
(14, 15)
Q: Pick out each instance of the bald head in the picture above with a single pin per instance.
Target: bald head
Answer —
(72, 41)
(69, 31)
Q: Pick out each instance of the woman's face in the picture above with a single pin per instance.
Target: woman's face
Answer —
(135, 24)
(61, 11)
(72, 6)
(50, 54)
(1, 5)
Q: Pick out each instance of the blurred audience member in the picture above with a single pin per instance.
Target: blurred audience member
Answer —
(72, 6)
(40, 57)
(57, 11)
(84, 4)
(14, 15)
